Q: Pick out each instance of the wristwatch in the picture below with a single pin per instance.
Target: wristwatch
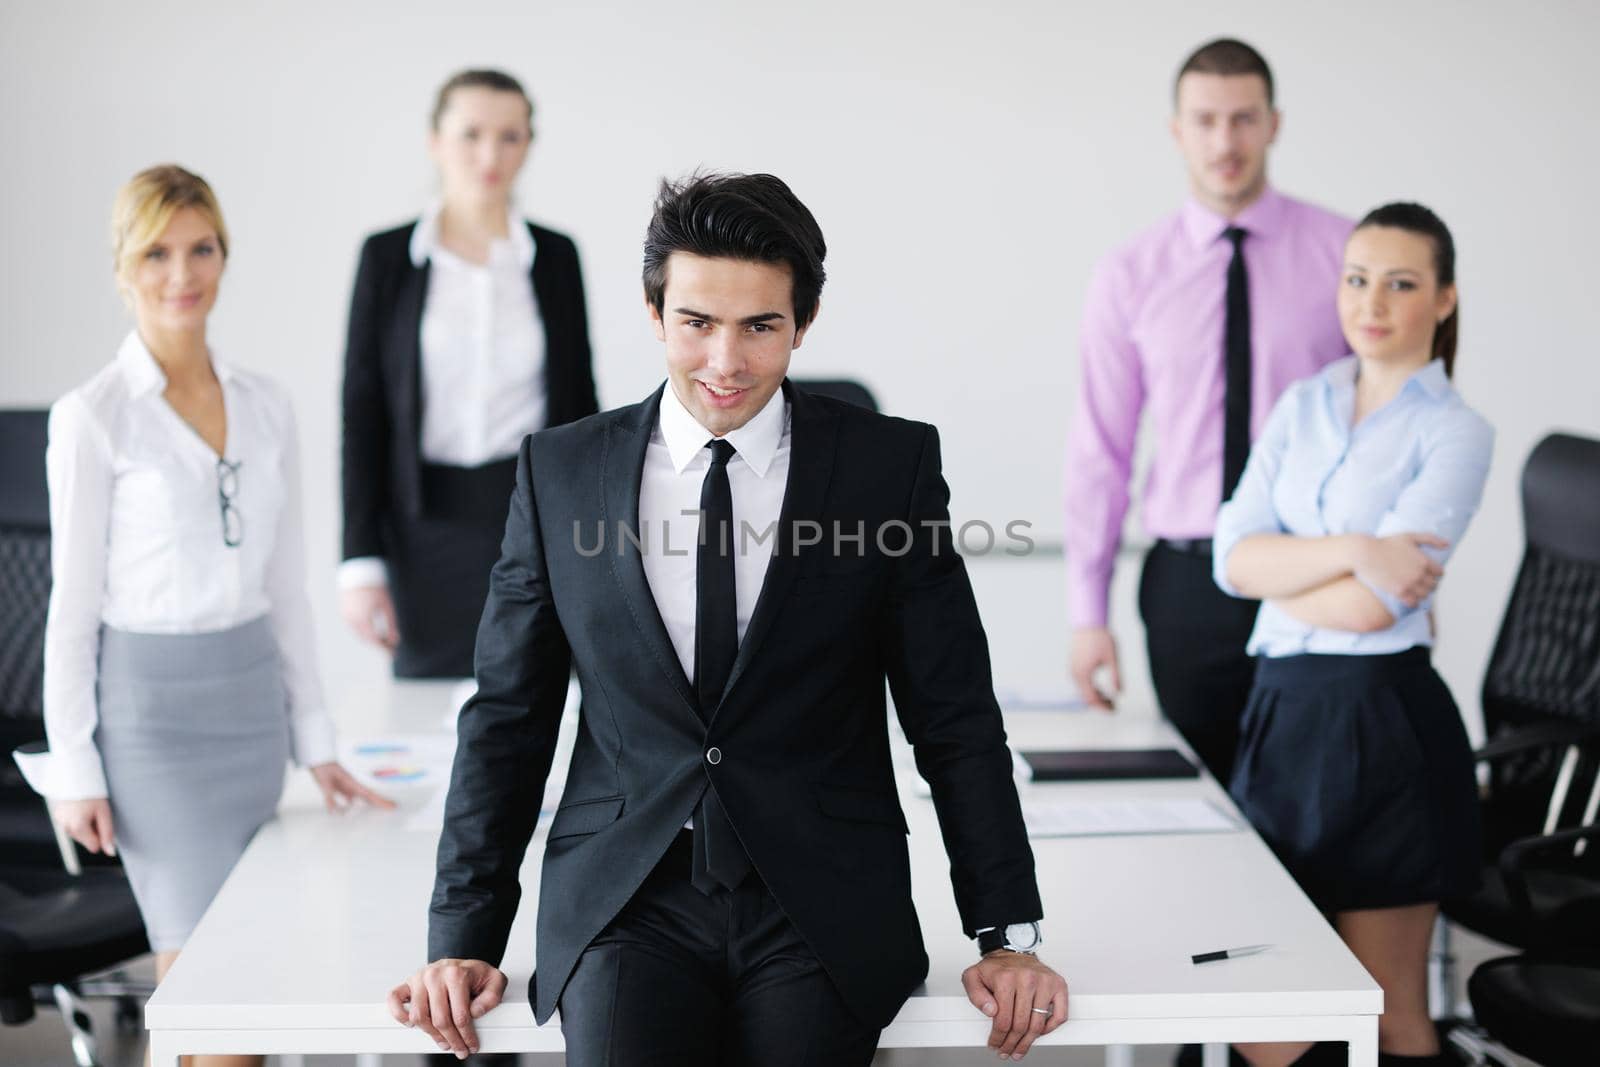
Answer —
(1017, 937)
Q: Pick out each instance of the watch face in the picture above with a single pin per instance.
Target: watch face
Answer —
(1023, 937)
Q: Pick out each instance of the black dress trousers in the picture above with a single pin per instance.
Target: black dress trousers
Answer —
(683, 978)
(1195, 635)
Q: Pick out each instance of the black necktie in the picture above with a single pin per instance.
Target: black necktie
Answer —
(1236, 348)
(719, 859)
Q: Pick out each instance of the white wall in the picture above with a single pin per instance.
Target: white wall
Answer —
(967, 166)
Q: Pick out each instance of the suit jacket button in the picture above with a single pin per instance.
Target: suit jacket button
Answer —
(713, 756)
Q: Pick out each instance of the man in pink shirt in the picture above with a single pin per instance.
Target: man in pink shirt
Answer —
(1201, 321)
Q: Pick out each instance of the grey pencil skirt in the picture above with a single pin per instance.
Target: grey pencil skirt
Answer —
(194, 735)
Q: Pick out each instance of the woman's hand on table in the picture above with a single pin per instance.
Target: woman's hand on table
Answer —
(340, 788)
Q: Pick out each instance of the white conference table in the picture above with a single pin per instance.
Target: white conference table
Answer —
(323, 915)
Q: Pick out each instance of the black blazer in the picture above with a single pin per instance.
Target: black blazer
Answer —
(802, 727)
(383, 366)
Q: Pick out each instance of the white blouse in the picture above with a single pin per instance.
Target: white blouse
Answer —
(483, 348)
(138, 543)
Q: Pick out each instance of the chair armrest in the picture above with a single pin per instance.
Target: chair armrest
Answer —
(1543, 735)
(1515, 860)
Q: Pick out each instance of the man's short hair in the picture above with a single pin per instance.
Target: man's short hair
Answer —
(735, 216)
(1225, 55)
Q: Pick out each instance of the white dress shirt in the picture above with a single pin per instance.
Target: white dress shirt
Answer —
(675, 466)
(483, 358)
(137, 544)
(482, 348)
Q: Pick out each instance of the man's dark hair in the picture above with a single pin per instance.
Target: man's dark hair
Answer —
(1414, 218)
(1225, 55)
(497, 80)
(735, 216)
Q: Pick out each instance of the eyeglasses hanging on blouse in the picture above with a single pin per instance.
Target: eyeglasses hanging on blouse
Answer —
(227, 490)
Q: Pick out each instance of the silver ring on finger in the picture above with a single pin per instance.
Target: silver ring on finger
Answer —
(1043, 1011)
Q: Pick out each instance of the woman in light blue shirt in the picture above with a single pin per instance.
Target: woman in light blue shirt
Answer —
(1353, 763)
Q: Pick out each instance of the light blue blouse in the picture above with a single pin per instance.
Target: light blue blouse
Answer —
(1416, 465)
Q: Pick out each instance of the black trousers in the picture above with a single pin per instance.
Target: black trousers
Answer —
(683, 978)
(1195, 635)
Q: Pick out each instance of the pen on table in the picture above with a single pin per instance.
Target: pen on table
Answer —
(1229, 953)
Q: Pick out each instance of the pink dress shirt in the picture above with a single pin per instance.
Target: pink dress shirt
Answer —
(1152, 340)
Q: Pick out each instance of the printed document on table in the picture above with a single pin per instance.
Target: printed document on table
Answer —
(1077, 818)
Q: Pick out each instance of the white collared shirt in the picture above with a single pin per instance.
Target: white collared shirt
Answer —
(675, 466)
(483, 348)
(137, 544)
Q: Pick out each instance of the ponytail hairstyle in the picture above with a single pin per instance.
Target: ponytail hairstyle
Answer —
(1414, 218)
(496, 80)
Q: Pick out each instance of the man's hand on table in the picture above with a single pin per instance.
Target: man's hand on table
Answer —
(444, 997)
(1008, 986)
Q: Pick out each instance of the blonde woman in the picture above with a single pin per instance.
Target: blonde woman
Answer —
(180, 670)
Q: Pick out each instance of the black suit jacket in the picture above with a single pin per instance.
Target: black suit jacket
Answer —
(802, 726)
(383, 366)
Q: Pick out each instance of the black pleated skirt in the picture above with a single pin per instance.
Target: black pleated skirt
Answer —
(1357, 772)
(439, 564)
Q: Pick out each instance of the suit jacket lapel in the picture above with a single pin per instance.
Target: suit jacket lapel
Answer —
(544, 287)
(409, 299)
(813, 434)
(621, 470)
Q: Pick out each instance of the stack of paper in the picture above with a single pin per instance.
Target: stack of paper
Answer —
(1075, 818)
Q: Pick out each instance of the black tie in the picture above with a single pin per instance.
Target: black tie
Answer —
(719, 859)
(1236, 347)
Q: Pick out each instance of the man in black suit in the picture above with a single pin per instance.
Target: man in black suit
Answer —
(726, 879)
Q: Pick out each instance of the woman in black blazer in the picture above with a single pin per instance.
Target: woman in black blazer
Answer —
(467, 331)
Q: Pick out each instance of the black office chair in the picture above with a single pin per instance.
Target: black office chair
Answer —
(1544, 1008)
(24, 592)
(60, 918)
(851, 392)
(1541, 703)
(1541, 706)
(1545, 1003)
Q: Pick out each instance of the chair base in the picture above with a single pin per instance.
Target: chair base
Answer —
(71, 999)
(80, 1028)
